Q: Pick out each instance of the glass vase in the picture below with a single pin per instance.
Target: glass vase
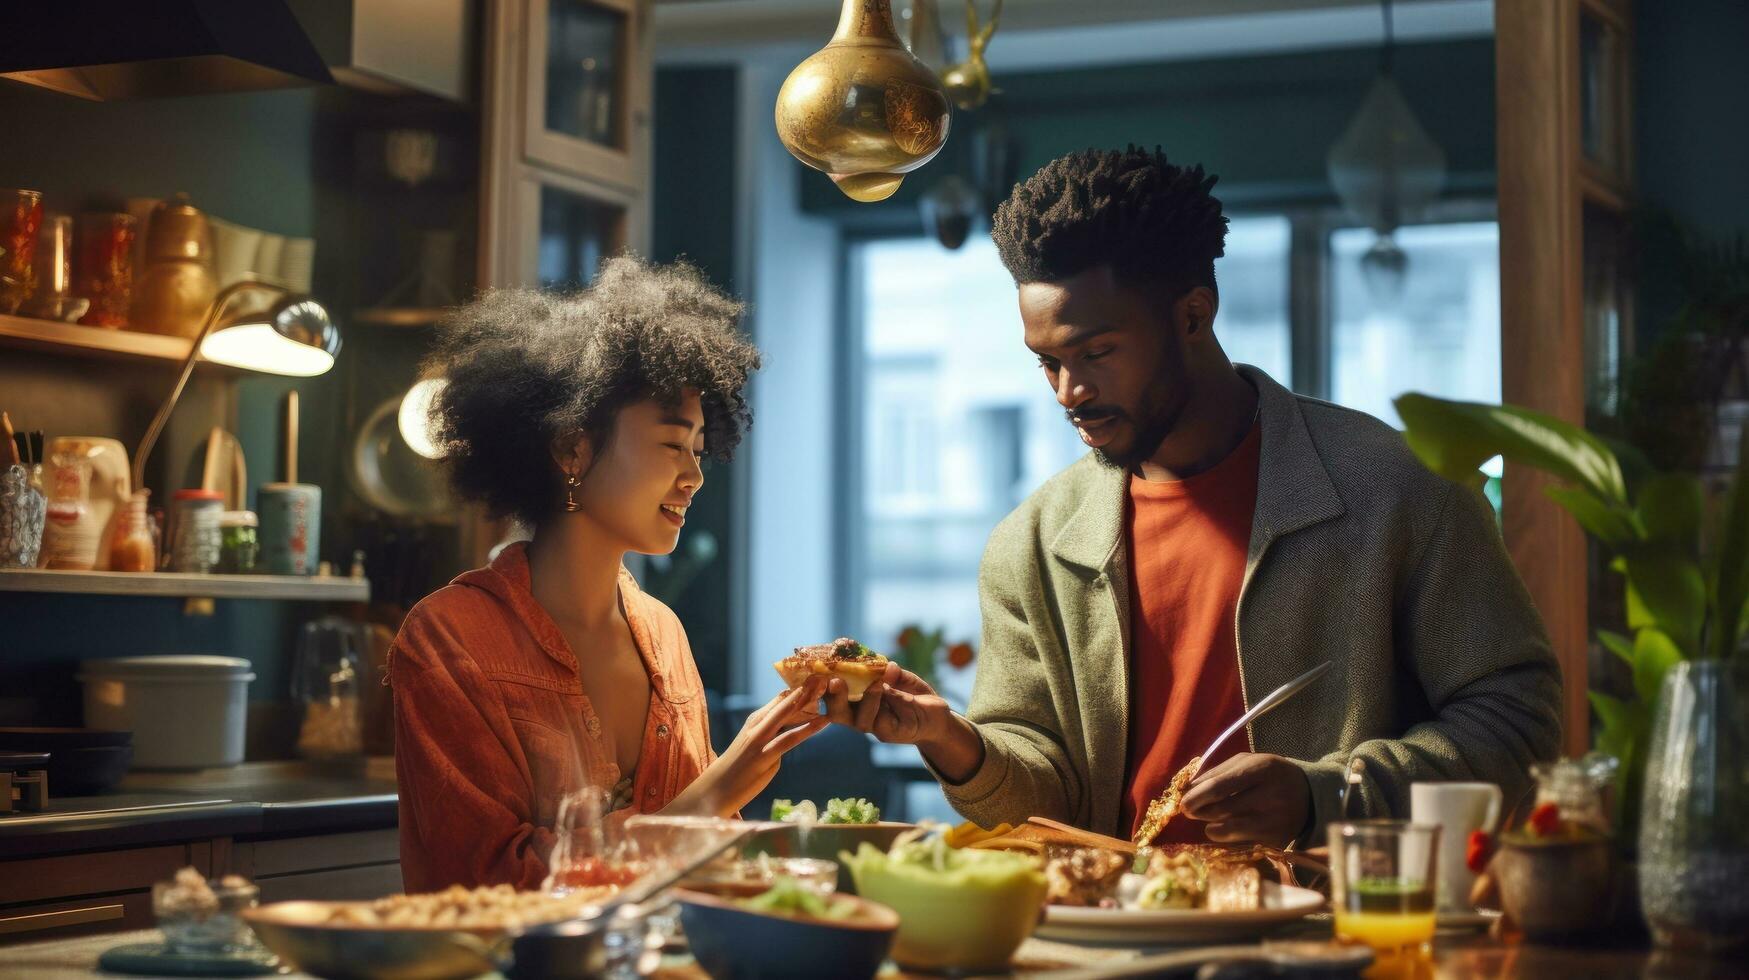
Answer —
(1694, 827)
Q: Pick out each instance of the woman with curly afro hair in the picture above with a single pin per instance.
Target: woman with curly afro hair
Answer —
(585, 417)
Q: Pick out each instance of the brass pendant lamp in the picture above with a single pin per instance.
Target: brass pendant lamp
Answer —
(863, 110)
(968, 83)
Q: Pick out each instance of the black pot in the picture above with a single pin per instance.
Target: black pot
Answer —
(82, 761)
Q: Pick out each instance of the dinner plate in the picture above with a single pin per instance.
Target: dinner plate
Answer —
(1281, 904)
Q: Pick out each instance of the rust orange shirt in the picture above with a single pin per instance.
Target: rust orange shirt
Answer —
(492, 727)
(1187, 541)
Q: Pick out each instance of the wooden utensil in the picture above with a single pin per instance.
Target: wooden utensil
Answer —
(291, 437)
(11, 447)
(224, 469)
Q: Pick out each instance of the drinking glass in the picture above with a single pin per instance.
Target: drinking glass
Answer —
(1384, 878)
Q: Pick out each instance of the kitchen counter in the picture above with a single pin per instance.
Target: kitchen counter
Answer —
(254, 799)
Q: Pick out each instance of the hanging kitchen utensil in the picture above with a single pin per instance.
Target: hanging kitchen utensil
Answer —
(1386, 170)
(863, 110)
(968, 83)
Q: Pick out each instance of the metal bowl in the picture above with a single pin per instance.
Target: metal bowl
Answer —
(300, 935)
(823, 841)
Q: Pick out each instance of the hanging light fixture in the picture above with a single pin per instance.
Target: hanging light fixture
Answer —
(948, 209)
(924, 35)
(1385, 169)
(968, 83)
(863, 110)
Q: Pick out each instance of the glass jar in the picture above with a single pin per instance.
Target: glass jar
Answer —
(325, 680)
(106, 268)
(198, 916)
(1694, 814)
(134, 548)
(21, 215)
(239, 545)
(194, 530)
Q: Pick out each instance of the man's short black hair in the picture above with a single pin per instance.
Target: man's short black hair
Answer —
(1155, 223)
(527, 367)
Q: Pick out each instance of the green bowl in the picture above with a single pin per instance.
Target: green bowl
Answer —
(965, 923)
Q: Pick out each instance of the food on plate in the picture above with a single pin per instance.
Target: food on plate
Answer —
(844, 657)
(1166, 806)
(1186, 876)
(486, 907)
(1086, 876)
(838, 811)
(959, 908)
(788, 896)
(969, 834)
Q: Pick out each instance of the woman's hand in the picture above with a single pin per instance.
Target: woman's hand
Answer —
(750, 762)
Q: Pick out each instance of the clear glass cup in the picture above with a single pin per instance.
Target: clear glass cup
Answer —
(204, 920)
(1384, 879)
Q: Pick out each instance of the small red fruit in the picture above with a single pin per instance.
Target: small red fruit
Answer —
(959, 655)
(1479, 851)
(1545, 820)
(907, 636)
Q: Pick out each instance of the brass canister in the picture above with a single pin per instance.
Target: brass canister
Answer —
(178, 285)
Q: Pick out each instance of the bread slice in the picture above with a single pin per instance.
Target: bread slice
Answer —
(845, 658)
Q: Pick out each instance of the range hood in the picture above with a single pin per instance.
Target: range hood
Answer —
(124, 50)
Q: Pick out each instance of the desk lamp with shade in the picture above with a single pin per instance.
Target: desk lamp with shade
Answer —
(292, 338)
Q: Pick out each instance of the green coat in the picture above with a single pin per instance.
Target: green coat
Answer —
(1358, 555)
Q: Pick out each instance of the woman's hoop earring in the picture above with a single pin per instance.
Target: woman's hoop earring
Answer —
(571, 485)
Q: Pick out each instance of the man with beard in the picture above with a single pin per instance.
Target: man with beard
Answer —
(1223, 536)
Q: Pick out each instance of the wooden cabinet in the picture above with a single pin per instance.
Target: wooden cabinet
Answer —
(566, 117)
(329, 867)
(109, 891)
(99, 891)
(1564, 139)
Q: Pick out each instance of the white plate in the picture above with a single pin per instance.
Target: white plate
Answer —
(1281, 904)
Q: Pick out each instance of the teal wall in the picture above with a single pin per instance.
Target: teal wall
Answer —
(693, 217)
(1691, 113)
(1263, 124)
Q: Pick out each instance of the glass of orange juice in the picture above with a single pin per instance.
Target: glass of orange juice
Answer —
(1383, 883)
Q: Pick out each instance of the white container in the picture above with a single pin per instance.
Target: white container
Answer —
(186, 712)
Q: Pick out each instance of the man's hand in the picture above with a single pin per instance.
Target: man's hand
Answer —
(901, 709)
(1251, 797)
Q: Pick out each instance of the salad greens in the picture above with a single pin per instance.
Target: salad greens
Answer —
(921, 856)
(838, 811)
(790, 897)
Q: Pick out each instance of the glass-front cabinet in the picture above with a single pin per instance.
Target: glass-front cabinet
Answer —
(567, 166)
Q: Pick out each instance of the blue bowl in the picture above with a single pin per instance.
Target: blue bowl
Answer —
(734, 943)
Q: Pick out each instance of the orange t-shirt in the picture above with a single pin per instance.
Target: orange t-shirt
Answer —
(1187, 542)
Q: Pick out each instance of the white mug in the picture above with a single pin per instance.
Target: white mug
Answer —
(1458, 808)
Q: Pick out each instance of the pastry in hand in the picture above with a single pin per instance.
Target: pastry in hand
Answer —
(844, 657)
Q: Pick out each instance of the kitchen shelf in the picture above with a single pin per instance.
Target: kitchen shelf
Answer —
(181, 584)
(70, 338)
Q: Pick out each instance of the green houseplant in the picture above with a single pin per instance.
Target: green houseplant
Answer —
(1683, 601)
(1683, 735)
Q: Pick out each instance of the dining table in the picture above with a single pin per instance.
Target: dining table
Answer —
(1457, 955)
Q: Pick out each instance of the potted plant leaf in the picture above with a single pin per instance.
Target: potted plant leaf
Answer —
(1683, 735)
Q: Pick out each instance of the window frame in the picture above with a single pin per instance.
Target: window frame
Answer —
(1310, 345)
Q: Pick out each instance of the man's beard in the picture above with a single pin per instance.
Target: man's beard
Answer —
(1156, 418)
